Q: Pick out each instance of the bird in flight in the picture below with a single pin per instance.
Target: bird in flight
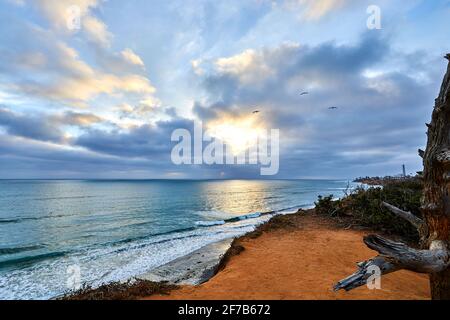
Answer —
(332, 108)
(256, 111)
(304, 93)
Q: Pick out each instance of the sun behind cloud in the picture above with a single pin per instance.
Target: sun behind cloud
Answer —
(238, 133)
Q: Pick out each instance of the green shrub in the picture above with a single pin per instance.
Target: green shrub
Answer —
(364, 205)
(326, 205)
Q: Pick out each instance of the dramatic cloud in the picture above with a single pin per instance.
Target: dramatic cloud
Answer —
(43, 126)
(102, 100)
(276, 76)
(78, 119)
(62, 13)
(23, 158)
(249, 67)
(52, 70)
(29, 127)
(373, 122)
(146, 141)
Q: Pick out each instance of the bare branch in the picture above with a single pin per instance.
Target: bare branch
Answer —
(395, 256)
(434, 260)
(421, 153)
(360, 277)
(415, 221)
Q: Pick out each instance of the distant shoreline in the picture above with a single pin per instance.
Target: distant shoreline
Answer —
(380, 181)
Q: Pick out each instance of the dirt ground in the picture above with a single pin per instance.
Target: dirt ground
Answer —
(301, 261)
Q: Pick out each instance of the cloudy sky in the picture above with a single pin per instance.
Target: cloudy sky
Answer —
(102, 100)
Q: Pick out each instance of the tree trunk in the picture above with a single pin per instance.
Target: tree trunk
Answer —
(434, 228)
(440, 285)
(436, 202)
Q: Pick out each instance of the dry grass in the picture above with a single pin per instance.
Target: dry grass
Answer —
(131, 290)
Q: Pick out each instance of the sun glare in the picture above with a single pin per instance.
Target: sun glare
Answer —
(239, 134)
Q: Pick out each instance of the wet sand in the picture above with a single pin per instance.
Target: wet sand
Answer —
(301, 260)
(192, 269)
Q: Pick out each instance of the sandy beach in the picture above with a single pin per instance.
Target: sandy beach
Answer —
(299, 257)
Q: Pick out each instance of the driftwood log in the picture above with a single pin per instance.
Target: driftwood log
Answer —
(434, 256)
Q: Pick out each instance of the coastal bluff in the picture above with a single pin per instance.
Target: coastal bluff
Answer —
(300, 257)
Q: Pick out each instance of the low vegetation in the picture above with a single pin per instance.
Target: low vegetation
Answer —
(364, 206)
(130, 290)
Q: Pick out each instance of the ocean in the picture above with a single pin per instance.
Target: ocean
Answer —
(116, 230)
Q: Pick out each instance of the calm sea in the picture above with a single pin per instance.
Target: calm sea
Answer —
(115, 230)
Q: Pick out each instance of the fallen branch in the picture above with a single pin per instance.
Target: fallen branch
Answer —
(395, 256)
(365, 270)
(436, 259)
(415, 221)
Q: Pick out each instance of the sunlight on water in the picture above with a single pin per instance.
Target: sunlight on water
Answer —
(115, 230)
(238, 196)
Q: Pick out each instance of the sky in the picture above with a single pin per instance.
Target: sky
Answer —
(94, 89)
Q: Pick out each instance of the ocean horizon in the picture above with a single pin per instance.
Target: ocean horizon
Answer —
(115, 230)
(224, 150)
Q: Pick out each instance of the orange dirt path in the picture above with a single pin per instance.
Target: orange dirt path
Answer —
(301, 263)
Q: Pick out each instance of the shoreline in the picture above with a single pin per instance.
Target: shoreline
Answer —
(242, 273)
(294, 256)
(139, 233)
(201, 265)
(192, 269)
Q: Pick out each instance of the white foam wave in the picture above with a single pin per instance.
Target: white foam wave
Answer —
(209, 223)
(49, 278)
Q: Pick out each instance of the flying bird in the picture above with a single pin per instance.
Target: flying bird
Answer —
(304, 93)
(256, 111)
(332, 108)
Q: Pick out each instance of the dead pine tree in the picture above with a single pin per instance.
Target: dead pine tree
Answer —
(433, 257)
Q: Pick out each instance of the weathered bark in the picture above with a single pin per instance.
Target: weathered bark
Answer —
(408, 216)
(435, 202)
(434, 259)
(396, 256)
(420, 225)
(360, 277)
